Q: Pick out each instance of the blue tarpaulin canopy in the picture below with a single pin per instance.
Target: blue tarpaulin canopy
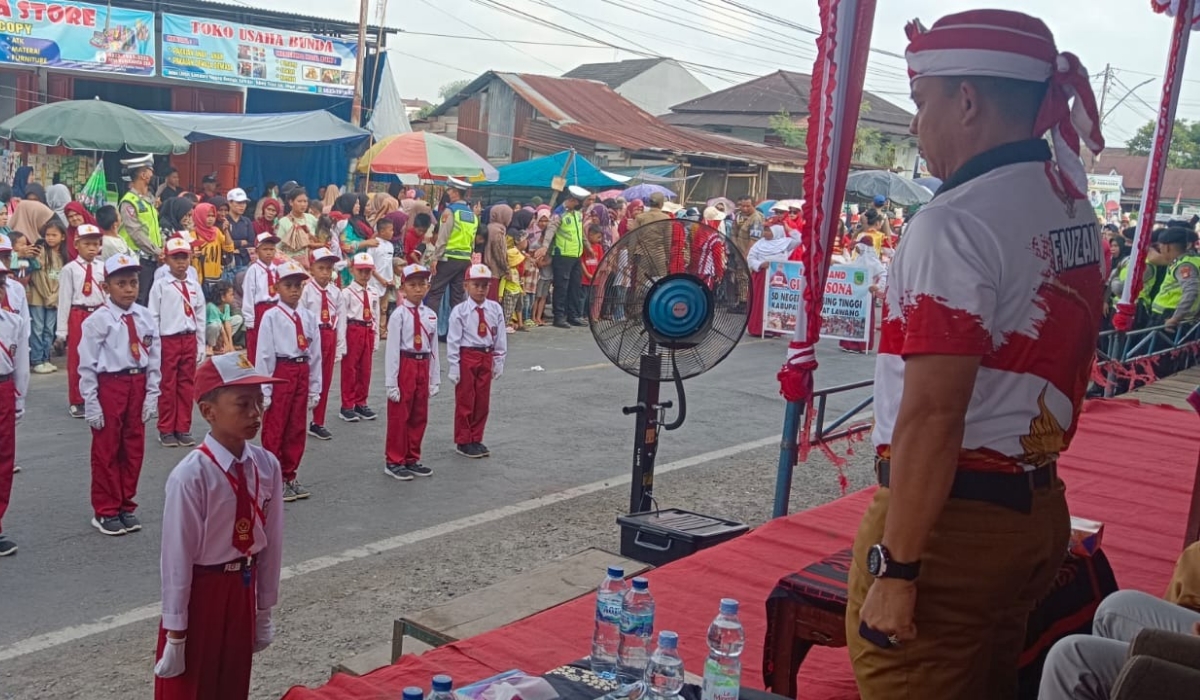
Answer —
(540, 172)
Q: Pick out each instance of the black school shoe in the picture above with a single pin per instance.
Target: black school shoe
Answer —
(130, 521)
(109, 526)
(365, 412)
(299, 493)
(76, 411)
(482, 450)
(319, 432)
(7, 547)
(185, 439)
(419, 469)
(470, 450)
(349, 415)
(168, 440)
(398, 472)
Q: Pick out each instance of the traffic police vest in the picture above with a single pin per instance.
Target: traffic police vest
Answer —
(462, 236)
(568, 240)
(1171, 293)
(1147, 282)
(148, 218)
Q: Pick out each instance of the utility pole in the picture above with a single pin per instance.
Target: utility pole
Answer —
(356, 105)
(1103, 97)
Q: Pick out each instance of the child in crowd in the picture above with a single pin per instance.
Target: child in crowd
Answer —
(221, 324)
(289, 348)
(592, 253)
(111, 243)
(258, 289)
(80, 293)
(14, 364)
(382, 282)
(323, 298)
(411, 375)
(511, 293)
(476, 345)
(222, 543)
(43, 294)
(357, 327)
(177, 305)
(119, 362)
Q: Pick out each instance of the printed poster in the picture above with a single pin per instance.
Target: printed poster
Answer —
(78, 36)
(846, 314)
(223, 53)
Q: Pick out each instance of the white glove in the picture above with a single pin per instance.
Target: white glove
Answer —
(60, 337)
(97, 422)
(264, 630)
(20, 413)
(201, 355)
(150, 409)
(172, 662)
(434, 389)
(496, 375)
(452, 376)
(393, 394)
(266, 402)
(313, 400)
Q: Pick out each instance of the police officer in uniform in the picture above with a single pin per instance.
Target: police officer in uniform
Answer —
(455, 242)
(139, 221)
(564, 241)
(1178, 298)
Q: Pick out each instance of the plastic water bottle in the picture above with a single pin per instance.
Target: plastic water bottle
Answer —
(664, 671)
(637, 632)
(443, 688)
(413, 693)
(606, 638)
(723, 669)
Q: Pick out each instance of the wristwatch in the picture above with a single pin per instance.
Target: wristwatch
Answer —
(881, 565)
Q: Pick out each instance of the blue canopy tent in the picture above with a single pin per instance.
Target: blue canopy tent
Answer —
(312, 148)
(540, 172)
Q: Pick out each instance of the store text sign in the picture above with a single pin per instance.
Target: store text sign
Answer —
(211, 51)
(77, 36)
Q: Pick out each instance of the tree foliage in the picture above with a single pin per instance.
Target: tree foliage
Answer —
(868, 142)
(453, 88)
(792, 134)
(1184, 150)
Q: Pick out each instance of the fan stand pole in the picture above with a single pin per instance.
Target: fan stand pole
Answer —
(645, 435)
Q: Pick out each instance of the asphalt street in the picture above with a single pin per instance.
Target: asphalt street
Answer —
(550, 431)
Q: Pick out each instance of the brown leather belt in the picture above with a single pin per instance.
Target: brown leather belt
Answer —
(1012, 491)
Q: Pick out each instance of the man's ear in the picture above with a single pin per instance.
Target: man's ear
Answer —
(968, 101)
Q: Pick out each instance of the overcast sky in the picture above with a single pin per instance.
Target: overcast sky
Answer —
(724, 44)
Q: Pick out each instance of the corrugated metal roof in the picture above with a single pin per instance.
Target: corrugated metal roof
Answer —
(615, 74)
(787, 91)
(1181, 183)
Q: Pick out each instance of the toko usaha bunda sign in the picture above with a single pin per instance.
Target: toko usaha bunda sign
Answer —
(76, 36)
(223, 53)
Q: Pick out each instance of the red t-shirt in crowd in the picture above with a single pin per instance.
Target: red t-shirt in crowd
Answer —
(591, 263)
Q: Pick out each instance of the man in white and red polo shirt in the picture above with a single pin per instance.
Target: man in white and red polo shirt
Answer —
(989, 326)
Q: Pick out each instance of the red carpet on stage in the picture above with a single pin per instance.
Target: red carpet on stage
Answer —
(1131, 466)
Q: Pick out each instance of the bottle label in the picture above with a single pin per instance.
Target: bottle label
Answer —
(641, 624)
(719, 685)
(608, 610)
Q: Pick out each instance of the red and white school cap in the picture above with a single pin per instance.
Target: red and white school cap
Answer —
(1013, 45)
(266, 237)
(363, 261)
(479, 271)
(5, 244)
(230, 369)
(413, 270)
(88, 231)
(175, 246)
(121, 262)
(324, 254)
(290, 268)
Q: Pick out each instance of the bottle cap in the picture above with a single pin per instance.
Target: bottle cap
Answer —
(640, 584)
(668, 640)
(729, 606)
(616, 572)
(413, 693)
(442, 684)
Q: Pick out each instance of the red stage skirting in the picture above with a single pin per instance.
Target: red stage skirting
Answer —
(1131, 466)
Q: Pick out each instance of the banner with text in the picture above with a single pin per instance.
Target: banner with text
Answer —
(209, 51)
(846, 313)
(76, 36)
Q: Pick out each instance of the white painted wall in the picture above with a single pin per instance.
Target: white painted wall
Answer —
(664, 85)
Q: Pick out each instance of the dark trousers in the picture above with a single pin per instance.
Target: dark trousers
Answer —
(568, 288)
(146, 280)
(452, 274)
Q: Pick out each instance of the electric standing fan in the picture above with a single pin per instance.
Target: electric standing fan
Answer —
(672, 306)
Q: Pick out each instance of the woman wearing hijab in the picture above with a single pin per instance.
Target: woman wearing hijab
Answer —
(29, 218)
(351, 230)
(210, 243)
(495, 249)
(57, 198)
(269, 210)
(35, 192)
(77, 215)
(626, 224)
(867, 258)
(602, 217)
(21, 181)
(775, 245)
(175, 219)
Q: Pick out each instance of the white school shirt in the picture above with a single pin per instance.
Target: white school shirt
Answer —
(168, 306)
(113, 245)
(70, 289)
(164, 272)
(401, 329)
(104, 347)
(312, 300)
(256, 288)
(383, 255)
(14, 341)
(464, 332)
(277, 338)
(198, 519)
(350, 308)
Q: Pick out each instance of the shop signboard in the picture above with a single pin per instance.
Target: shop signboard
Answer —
(1104, 194)
(845, 315)
(224, 53)
(76, 36)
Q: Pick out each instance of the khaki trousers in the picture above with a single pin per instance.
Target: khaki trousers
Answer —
(983, 570)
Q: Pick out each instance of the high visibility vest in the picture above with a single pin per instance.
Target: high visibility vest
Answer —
(1171, 293)
(148, 217)
(1147, 281)
(462, 237)
(568, 240)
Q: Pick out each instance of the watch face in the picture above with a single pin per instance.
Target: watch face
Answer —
(874, 561)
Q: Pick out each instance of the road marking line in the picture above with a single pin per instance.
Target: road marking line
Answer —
(74, 633)
(598, 365)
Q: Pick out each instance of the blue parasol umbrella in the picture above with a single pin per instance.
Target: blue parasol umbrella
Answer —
(930, 183)
(765, 207)
(644, 190)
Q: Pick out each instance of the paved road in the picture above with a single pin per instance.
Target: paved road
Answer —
(549, 431)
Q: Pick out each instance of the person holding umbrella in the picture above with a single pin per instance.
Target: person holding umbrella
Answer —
(455, 242)
(139, 221)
